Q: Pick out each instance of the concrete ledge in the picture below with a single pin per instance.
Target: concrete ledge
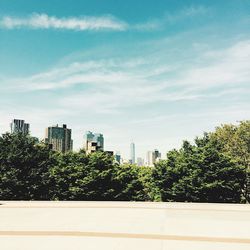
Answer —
(123, 225)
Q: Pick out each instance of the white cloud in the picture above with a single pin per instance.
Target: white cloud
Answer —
(172, 18)
(229, 66)
(95, 23)
(188, 12)
(194, 11)
(43, 21)
(113, 84)
(112, 95)
(93, 73)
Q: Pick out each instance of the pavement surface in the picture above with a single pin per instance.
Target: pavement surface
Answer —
(123, 225)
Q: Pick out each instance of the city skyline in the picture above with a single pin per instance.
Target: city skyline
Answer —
(61, 140)
(155, 72)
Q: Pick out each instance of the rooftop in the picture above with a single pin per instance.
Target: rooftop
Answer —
(123, 225)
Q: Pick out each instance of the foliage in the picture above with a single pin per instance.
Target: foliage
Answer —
(24, 165)
(77, 176)
(95, 177)
(199, 172)
(130, 183)
(213, 169)
(235, 141)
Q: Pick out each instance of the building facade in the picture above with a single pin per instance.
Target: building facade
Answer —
(118, 157)
(93, 142)
(132, 153)
(59, 138)
(149, 159)
(156, 155)
(152, 157)
(19, 126)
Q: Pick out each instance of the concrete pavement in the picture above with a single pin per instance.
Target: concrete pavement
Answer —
(123, 225)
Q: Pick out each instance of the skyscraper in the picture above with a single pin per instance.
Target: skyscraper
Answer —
(156, 155)
(153, 157)
(132, 152)
(118, 157)
(93, 142)
(19, 126)
(59, 138)
(149, 159)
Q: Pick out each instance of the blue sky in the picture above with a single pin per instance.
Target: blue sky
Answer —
(155, 72)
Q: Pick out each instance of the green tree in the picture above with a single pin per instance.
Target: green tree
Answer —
(235, 141)
(130, 183)
(213, 169)
(78, 176)
(24, 168)
(199, 173)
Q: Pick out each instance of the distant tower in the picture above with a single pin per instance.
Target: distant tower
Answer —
(149, 158)
(132, 152)
(59, 138)
(93, 142)
(156, 155)
(19, 126)
(118, 157)
(153, 157)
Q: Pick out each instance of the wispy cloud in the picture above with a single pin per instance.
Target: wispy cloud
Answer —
(192, 11)
(96, 23)
(109, 85)
(167, 19)
(43, 21)
(135, 95)
(208, 68)
(221, 67)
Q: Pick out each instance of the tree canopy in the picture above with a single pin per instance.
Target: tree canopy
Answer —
(24, 168)
(215, 168)
(200, 172)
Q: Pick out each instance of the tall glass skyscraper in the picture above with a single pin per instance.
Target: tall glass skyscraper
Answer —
(19, 126)
(132, 153)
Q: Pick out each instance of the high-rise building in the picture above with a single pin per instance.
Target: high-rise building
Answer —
(152, 157)
(132, 152)
(149, 159)
(59, 138)
(156, 155)
(19, 126)
(140, 161)
(93, 142)
(118, 157)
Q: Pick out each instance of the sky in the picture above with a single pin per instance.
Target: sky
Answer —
(152, 72)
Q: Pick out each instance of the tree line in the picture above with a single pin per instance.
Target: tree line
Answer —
(214, 168)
